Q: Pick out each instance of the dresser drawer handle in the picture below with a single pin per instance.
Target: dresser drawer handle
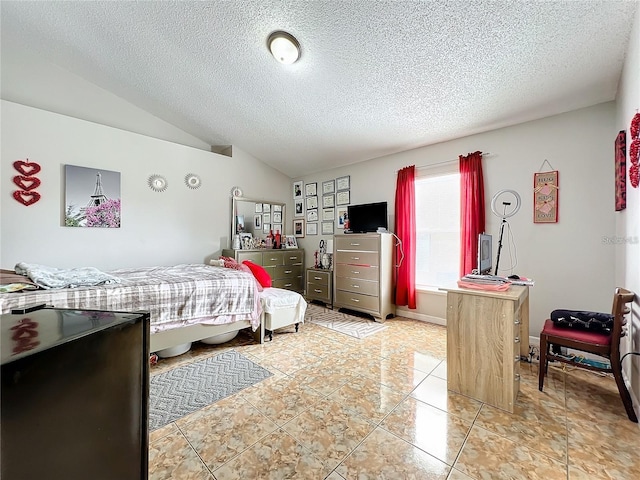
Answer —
(516, 340)
(355, 300)
(355, 258)
(354, 272)
(517, 359)
(317, 278)
(517, 377)
(274, 259)
(354, 244)
(288, 284)
(355, 286)
(317, 290)
(288, 271)
(517, 322)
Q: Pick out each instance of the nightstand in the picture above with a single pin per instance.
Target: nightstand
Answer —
(320, 285)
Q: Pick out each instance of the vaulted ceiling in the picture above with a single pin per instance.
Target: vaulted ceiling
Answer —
(374, 78)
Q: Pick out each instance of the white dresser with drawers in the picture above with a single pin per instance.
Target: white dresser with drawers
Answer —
(363, 273)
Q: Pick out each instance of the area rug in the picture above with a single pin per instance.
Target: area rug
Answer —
(343, 322)
(183, 390)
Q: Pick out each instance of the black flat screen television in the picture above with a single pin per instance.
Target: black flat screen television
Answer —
(367, 217)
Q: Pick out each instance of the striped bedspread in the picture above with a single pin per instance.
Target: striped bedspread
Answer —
(174, 296)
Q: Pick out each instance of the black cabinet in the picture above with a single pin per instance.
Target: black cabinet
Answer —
(74, 395)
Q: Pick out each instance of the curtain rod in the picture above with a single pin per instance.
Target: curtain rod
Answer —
(444, 162)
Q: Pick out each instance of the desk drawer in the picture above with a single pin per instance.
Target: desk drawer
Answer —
(272, 258)
(355, 285)
(287, 271)
(360, 244)
(357, 258)
(292, 258)
(255, 257)
(320, 279)
(356, 301)
(292, 283)
(319, 292)
(353, 271)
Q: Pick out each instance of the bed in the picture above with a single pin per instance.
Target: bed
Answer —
(186, 303)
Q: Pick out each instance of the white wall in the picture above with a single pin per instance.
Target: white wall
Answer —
(179, 225)
(568, 260)
(31, 80)
(627, 251)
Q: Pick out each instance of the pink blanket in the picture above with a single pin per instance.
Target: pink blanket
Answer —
(494, 287)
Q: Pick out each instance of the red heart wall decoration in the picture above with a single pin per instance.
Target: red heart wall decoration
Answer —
(26, 168)
(26, 198)
(26, 183)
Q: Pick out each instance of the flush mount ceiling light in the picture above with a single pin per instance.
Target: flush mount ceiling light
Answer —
(284, 47)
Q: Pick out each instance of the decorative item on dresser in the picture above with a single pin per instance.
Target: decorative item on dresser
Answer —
(320, 285)
(285, 267)
(363, 273)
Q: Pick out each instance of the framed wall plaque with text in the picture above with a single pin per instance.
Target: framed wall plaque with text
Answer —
(545, 197)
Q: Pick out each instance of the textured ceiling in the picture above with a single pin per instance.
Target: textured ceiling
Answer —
(375, 77)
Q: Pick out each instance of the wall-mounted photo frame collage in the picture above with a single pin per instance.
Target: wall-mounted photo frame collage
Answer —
(319, 202)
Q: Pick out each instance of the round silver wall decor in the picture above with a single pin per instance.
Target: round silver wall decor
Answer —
(192, 180)
(157, 183)
(509, 201)
(236, 192)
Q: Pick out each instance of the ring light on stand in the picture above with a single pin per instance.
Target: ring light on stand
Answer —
(510, 202)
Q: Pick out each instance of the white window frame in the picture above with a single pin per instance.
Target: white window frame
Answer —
(443, 169)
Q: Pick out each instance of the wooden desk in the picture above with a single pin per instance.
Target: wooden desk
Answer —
(487, 333)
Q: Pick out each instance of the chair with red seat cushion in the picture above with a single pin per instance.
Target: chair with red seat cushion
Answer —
(598, 343)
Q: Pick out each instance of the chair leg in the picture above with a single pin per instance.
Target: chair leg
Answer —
(542, 366)
(622, 388)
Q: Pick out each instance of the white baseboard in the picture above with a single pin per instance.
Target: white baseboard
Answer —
(421, 316)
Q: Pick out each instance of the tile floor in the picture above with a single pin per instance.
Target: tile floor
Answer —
(378, 408)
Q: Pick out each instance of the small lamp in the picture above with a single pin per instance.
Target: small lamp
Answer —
(284, 47)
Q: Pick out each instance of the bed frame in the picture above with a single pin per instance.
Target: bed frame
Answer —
(193, 333)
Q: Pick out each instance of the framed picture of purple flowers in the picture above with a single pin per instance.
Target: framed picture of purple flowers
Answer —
(92, 197)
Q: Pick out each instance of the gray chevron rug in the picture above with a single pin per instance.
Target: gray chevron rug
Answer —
(183, 390)
(351, 325)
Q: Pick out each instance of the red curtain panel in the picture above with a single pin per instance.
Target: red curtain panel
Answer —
(471, 210)
(406, 231)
